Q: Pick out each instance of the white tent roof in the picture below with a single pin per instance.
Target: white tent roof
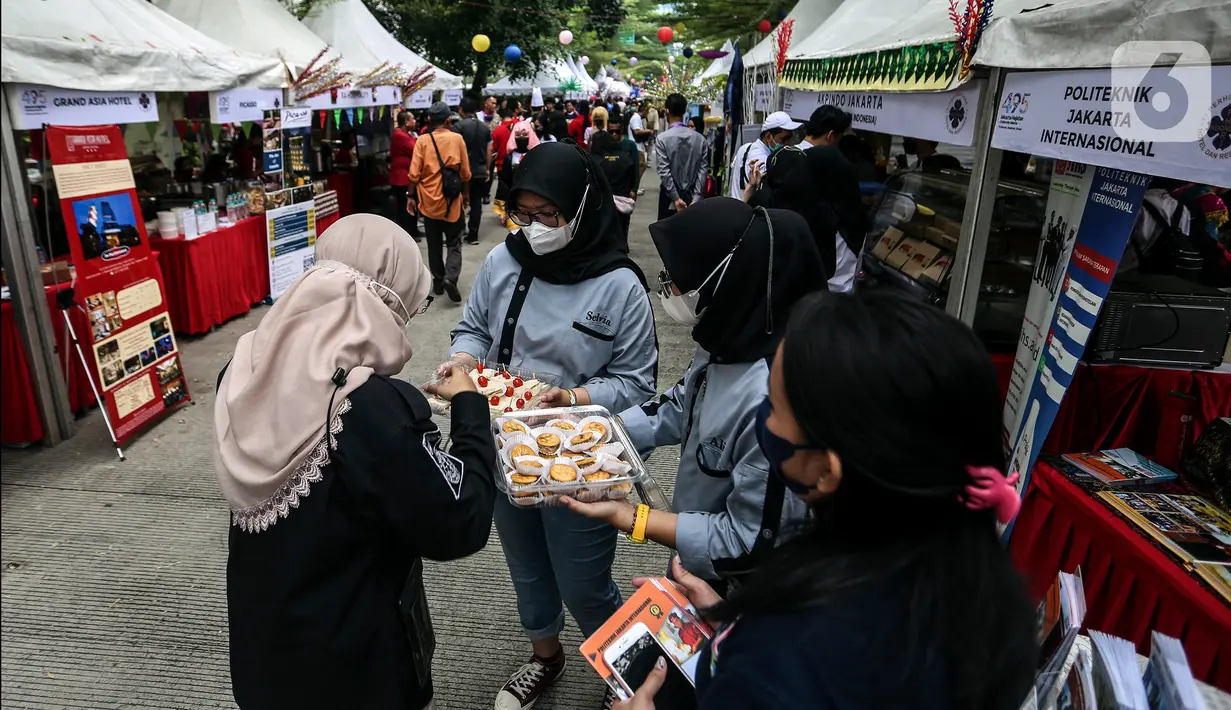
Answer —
(259, 26)
(808, 15)
(720, 66)
(853, 23)
(359, 36)
(120, 45)
(549, 78)
(1085, 33)
(579, 71)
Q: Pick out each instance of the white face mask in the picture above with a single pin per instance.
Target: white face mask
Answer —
(683, 308)
(545, 240)
(679, 311)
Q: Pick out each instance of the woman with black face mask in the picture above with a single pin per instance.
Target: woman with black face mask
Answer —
(521, 139)
(732, 273)
(899, 594)
(560, 297)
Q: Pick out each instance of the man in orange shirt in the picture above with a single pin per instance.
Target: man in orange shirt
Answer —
(439, 167)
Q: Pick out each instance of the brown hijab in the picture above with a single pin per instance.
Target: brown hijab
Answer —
(349, 311)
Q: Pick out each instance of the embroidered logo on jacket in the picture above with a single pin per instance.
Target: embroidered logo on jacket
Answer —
(449, 466)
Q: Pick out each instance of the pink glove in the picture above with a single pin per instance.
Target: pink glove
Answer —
(992, 490)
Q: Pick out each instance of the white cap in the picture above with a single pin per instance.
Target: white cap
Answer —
(777, 120)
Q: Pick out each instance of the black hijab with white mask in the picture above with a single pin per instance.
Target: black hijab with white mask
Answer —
(739, 271)
(589, 244)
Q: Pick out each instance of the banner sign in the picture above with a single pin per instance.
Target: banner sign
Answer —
(136, 360)
(33, 106)
(287, 175)
(291, 232)
(453, 97)
(941, 116)
(239, 105)
(1081, 115)
(420, 99)
(1090, 213)
(761, 99)
(356, 98)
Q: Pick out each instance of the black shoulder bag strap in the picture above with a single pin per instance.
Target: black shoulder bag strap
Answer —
(504, 354)
(448, 200)
(771, 516)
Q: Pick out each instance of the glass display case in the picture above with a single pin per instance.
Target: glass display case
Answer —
(914, 236)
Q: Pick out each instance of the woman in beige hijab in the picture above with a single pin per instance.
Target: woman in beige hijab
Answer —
(339, 484)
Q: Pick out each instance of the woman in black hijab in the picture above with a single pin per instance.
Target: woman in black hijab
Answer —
(821, 186)
(733, 273)
(561, 298)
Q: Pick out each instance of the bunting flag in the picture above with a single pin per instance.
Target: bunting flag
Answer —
(337, 118)
(350, 116)
(215, 130)
(181, 127)
(152, 129)
(382, 112)
(322, 117)
(361, 112)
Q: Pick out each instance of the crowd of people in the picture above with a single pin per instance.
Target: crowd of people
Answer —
(839, 536)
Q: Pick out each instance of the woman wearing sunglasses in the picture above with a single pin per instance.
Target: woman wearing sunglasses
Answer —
(560, 297)
(732, 274)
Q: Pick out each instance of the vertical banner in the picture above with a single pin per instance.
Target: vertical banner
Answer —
(291, 232)
(136, 361)
(1090, 213)
(287, 174)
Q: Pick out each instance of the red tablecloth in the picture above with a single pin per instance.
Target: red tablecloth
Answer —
(19, 422)
(344, 184)
(214, 278)
(323, 223)
(1110, 406)
(1131, 586)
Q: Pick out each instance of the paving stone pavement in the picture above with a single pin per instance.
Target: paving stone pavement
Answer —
(113, 579)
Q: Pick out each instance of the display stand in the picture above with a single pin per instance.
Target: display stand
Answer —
(64, 301)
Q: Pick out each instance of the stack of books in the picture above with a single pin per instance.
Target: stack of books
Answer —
(1120, 468)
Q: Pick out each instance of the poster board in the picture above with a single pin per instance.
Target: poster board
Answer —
(31, 106)
(291, 232)
(942, 116)
(1090, 214)
(290, 219)
(136, 358)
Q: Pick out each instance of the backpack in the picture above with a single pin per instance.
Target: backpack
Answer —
(450, 178)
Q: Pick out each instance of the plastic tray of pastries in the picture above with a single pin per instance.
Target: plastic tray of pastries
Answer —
(582, 452)
(506, 389)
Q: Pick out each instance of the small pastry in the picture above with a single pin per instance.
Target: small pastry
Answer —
(530, 465)
(519, 479)
(563, 424)
(585, 437)
(598, 426)
(597, 476)
(521, 449)
(512, 426)
(562, 473)
(619, 491)
(549, 443)
(586, 462)
(575, 455)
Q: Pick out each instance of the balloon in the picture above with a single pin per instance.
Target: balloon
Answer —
(566, 37)
(512, 53)
(671, 60)
(665, 34)
(782, 14)
(679, 27)
(763, 26)
(615, 62)
(632, 61)
(687, 52)
(584, 60)
(480, 43)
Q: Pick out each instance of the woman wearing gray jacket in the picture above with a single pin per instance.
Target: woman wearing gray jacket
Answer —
(560, 297)
(733, 272)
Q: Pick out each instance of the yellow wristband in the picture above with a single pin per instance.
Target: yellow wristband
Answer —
(639, 523)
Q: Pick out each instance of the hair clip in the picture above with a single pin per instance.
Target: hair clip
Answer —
(991, 489)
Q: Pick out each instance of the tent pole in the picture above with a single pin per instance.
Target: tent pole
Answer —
(25, 281)
(980, 197)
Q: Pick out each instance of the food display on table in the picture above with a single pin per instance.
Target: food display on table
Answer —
(581, 452)
(506, 390)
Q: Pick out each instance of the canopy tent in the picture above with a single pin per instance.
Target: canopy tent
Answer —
(589, 86)
(1086, 33)
(808, 16)
(720, 66)
(352, 29)
(120, 45)
(259, 26)
(548, 79)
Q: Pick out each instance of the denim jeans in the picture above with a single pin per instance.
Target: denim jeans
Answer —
(558, 558)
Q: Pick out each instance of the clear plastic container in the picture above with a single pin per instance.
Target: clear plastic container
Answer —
(498, 384)
(627, 480)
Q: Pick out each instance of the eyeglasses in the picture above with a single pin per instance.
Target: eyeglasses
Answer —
(547, 219)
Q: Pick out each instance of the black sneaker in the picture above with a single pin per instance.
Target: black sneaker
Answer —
(438, 288)
(472, 241)
(454, 294)
(530, 681)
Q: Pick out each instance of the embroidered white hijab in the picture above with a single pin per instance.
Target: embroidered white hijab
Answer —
(349, 311)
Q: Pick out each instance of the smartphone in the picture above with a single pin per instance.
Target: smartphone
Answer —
(631, 658)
